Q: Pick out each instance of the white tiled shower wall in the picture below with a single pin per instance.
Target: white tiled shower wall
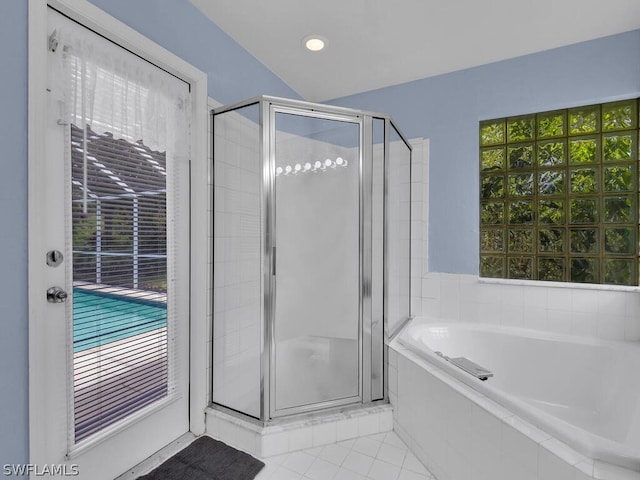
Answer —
(419, 220)
(596, 312)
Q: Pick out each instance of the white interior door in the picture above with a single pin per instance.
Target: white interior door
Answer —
(114, 304)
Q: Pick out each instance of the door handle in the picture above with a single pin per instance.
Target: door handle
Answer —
(56, 295)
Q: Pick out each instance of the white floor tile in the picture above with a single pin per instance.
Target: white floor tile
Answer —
(367, 445)
(268, 471)
(358, 462)
(334, 453)
(378, 437)
(393, 439)
(315, 451)
(283, 473)
(390, 454)
(321, 470)
(298, 462)
(344, 474)
(372, 457)
(348, 443)
(383, 471)
(408, 475)
(412, 464)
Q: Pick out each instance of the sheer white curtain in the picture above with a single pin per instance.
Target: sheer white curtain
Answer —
(122, 94)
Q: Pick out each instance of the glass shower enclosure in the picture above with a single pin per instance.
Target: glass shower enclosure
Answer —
(311, 255)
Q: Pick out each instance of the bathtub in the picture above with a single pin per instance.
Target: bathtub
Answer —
(584, 392)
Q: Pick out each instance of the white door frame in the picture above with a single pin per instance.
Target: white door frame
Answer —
(102, 23)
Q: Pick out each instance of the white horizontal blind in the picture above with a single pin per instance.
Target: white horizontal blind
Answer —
(128, 131)
(120, 321)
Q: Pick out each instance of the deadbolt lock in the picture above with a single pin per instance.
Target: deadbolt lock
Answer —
(54, 258)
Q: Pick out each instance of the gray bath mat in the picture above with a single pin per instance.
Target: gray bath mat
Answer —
(207, 459)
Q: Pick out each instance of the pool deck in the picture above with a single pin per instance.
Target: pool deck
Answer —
(120, 291)
(116, 379)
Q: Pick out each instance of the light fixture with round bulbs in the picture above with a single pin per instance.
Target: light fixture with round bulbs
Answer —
(314, 43)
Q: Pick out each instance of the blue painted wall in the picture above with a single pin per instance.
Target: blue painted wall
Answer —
(178, 26)
(447, 109)
(14, 405)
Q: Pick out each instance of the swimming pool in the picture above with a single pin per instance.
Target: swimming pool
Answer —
(102, 318)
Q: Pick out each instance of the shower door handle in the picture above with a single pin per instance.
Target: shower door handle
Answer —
(273, 260)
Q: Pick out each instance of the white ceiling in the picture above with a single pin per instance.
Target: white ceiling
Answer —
(377, 43)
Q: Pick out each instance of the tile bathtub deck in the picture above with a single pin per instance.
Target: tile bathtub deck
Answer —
(382, 456)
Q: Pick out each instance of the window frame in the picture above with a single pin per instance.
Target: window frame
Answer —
(503, 181)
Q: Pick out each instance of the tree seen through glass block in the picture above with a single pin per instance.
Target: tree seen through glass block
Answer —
(619, 240)
(584, 180)
(551, 182)
(584, 210)
(492, 186)
(584, 150)
(619, 179)
(584, 120)
(521, 213)
(521, 268)
(492, 159)
(491, 266)
(559, 195)
(551, 212)
(521, 240)
(551, 124)
(551, 240)
(521, 157)
(551, 154)
(584, 240)
(492, 240)
(519, 130)
(619, 271)
(551, 269)
(619, 147)
(585, 270)
(618, 209)
(492, 213)
(492, 133)
(521, 185)
(619, 116)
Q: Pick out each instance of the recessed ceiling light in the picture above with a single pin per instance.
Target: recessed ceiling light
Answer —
(314, 43)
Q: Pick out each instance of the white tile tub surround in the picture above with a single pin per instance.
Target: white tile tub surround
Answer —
(595, 311)
(460, 434)
(299, 434)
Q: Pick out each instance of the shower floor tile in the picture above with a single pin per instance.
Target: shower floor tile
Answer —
(373, 457)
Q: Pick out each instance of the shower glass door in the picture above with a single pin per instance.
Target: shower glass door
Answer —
(316, 261)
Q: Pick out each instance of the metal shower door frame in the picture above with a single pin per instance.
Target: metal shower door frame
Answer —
(270, 107)
(370, 279)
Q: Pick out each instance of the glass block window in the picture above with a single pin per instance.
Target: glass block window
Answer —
(559, 195)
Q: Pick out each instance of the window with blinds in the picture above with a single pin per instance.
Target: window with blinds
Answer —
(119, 228)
